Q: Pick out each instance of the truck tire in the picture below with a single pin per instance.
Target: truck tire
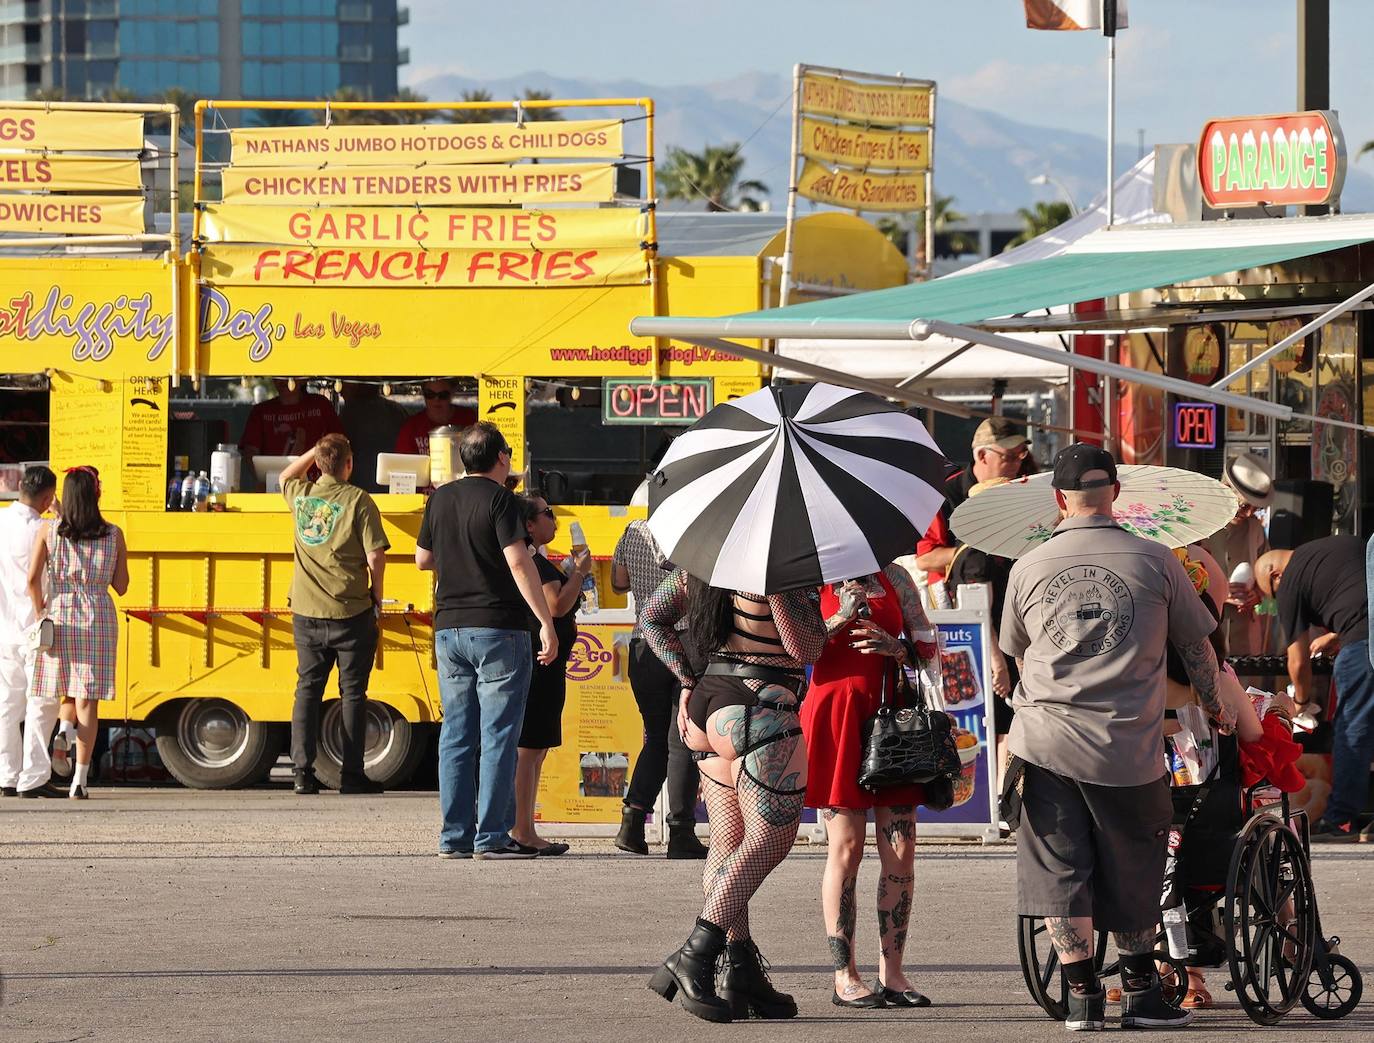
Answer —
(393, 750)
(212, 744)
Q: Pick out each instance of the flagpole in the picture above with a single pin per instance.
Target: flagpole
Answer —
(1109, 30)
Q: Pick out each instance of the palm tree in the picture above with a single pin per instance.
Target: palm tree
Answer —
(119, 95)
(48, 94)
(473, 115)
(540, 114)
(185, 102)
(713, 174)
(282, 117)
(408, 115)
(945, 215)
(1368, 146)
(342, 117)
(1040, 219)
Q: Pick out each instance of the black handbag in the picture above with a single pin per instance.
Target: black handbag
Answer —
(906, 744)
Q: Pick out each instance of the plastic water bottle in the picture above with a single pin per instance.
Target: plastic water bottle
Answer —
(174, 490)
(202, 492)
(590, 601)
(188, 491)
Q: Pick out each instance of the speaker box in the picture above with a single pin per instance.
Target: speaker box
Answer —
(1301, 512)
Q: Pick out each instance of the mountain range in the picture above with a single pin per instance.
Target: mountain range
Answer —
(982, 159)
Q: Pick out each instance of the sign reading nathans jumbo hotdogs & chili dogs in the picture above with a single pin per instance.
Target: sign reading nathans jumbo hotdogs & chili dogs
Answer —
(1295, 159)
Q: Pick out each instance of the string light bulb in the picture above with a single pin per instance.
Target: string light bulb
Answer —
(290, 383)
(338, 387)
(576, 393)
(386, 389)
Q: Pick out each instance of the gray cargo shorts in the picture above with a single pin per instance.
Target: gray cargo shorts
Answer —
(1088, 850)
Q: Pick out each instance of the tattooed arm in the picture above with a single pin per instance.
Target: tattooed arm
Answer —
(1200, 661)
(665, 607)
(797, 615)
(914, 616)
(850, 596)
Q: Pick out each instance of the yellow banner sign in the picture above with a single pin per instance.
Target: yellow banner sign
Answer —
(72, 215)
(855, 190)
(61, 129)
(110, 315)
(515, 266)
(426, 143)
(852, 146)
(68, 174)
(397, 226)
(887, 104)
(477, 185)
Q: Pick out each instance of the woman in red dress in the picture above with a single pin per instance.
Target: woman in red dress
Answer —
(864, 619)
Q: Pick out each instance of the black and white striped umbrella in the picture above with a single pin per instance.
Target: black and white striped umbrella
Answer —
(795, 486)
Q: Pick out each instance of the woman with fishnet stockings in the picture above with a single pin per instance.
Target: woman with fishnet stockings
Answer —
(741, 718)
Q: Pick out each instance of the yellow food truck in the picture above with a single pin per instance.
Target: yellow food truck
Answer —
(361, 262)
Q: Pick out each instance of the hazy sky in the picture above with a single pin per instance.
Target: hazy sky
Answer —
(1181, 61)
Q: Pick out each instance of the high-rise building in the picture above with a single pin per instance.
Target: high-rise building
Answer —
(212, 48)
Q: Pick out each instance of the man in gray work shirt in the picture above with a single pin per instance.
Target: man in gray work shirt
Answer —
(1088, 615)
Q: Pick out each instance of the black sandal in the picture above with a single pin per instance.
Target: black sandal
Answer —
(909, 998)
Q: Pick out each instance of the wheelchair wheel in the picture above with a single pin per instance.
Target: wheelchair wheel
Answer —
(1040, 965)
(1333, 999)
(1269, 920)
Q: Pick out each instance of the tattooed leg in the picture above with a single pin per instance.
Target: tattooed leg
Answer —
(1072, 937)
(896, 880)
(727, 832)
(839, 906)
(1131, 943)
(769, 785)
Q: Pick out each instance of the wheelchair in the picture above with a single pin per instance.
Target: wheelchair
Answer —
(1242, 862)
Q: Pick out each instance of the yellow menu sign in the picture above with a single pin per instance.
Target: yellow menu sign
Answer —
(501, 401)
(119, 427)
(66, 129)
(68, 174)
(426, 143)
(886, 104)
(72, 215)
(852, 146)
(856, 190)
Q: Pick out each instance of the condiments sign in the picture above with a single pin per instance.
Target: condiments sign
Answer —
(1296, 159)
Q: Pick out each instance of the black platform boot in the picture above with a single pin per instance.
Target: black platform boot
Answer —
(682, 840)
(631, 835)
(747, 987)
(692, 971)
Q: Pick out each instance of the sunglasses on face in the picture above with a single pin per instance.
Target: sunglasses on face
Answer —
(547, 512)
(436, 394)
(1012, 454)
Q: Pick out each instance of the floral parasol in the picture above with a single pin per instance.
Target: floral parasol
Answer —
(1166, 504)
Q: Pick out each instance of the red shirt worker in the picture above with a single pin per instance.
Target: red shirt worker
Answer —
(439, 410)
(287, 425)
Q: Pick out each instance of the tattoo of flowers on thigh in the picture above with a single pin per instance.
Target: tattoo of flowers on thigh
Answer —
(1067, 939)
(899, 826)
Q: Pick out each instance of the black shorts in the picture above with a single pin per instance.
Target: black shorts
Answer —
(543, 725)
(1088, 850)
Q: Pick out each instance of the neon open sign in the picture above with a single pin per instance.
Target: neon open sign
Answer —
(1195, 425)
(639, 400)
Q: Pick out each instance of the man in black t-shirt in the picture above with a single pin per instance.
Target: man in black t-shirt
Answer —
(1322, 584)
(473, 538)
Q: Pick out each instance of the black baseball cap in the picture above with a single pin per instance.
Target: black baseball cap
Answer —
(1077, 460)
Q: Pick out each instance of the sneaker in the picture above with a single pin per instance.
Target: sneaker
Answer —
(9, 791)
(1328, 832)
(61, 755)
(454, 854)
(1087, 1012)
(1149, 1010)
(514, 849)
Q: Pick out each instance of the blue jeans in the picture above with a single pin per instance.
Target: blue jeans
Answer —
(484, 680)
(1352, 746)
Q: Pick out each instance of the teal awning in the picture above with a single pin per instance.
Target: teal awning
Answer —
(1078, 275)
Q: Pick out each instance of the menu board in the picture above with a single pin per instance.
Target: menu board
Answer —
(585, 780)
(968, 697)
(119, 427)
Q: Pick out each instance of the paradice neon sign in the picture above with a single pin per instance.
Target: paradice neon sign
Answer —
(1294, 159)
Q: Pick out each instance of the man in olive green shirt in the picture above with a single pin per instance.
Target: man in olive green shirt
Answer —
(336, 601)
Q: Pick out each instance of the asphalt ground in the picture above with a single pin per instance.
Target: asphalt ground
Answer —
(165, 914)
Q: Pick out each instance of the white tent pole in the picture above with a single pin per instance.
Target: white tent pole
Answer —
(1111, 130)
(919, 330)
(935, 365)
(785, 294)
(1321, 320)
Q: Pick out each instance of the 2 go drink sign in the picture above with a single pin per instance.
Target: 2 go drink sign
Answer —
(1275, 160)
